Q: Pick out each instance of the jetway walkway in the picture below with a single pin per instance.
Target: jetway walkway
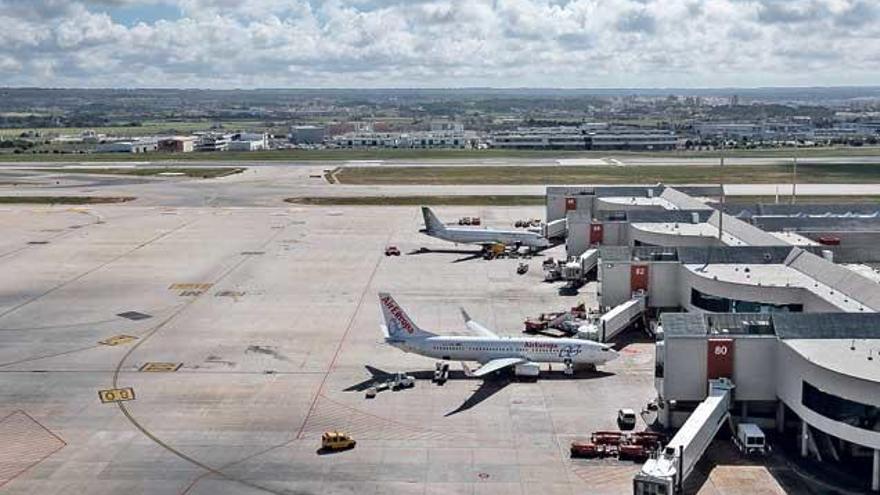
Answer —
(666, 473)
(577, 270)
(621, 316)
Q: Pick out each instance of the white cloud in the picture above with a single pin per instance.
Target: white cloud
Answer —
(347, 43)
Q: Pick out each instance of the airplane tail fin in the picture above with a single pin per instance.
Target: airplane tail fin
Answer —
(395, 323)
(432, 223)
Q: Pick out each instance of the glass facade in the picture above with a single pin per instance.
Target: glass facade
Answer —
(846, 411)
(716, 304)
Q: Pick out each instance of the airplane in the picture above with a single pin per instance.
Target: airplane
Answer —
(484, 237)
(494, 353)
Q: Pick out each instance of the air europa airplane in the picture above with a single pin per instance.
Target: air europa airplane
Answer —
(493, 352)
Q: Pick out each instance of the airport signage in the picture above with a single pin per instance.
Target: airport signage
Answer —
(116, 395)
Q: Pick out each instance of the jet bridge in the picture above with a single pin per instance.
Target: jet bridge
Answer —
(621, 316)
(665, 474)
(577, 269)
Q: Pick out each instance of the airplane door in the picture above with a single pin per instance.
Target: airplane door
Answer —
(638, 278)
(597, 233)
(720, 359)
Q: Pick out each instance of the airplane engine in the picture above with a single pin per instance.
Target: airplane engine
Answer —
(527, 369)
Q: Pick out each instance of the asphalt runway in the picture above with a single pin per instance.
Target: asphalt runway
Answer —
(270, 184)
(200, 339)
(267, 318)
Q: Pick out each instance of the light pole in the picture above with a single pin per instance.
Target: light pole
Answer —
(794, 174)
(721, 182)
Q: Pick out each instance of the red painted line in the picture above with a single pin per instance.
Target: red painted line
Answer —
(332, 365)
(4, 483)
(29, 466)
(43, 427)
(4, 418)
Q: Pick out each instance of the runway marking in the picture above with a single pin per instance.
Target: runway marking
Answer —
(348, 328)
(24, 443)
(158, 441)
(94, 269)
(191, 286)
(318, 394)
(158, 367)
(46, 356)
(117, 340)
(116, 395)
(190, 289)
(332, 414)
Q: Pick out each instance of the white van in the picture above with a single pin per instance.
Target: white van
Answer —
(751, 440)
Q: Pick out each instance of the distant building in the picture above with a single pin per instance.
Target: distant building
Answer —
(177, 144)
(586, 137)
(248, 141)
(307, 134)
(421, 139)
(446, 126)
(797, 128)
(735, 130)
(140, 146)
(632, 140)
(540, 138)
(213, 142)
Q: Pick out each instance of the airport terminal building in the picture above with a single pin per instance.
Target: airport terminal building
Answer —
(782, 300)
(814, 376)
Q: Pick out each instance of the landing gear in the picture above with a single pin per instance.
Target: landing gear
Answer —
(569, 367)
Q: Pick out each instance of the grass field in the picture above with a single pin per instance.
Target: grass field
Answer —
(742, 174)
(529, 200)
(64, 200)
(499, 200)
(411, 154)
(195, 172)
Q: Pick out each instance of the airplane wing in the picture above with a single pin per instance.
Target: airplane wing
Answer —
(497, 364)
(476, 327)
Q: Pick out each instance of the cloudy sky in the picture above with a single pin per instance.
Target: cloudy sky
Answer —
(439, 43)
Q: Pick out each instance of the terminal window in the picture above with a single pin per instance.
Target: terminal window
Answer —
(846, 411)
(716, 304)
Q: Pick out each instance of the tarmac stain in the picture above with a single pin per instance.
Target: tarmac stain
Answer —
(267, 350)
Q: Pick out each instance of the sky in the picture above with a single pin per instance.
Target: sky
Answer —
(439, 43)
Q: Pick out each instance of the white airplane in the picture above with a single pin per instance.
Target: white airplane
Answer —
(494, 353)
(485, 237)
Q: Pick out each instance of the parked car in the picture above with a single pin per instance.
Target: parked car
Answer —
(336, 440)
(626, 419)
(392, 251)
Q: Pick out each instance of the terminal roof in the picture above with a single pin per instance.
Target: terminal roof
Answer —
(849, 356)
(783, 325)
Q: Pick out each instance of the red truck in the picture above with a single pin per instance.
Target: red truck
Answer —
(636, 453)
(589, 450)
(608, 437)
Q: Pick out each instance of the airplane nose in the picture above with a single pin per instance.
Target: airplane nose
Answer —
(612, 355)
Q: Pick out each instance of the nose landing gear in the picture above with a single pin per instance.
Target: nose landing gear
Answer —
(569, 367)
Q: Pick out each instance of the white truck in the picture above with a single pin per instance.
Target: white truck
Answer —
(750, 439)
